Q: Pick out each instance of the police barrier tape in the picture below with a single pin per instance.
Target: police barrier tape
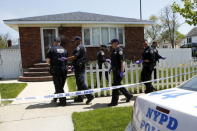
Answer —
(90, 91)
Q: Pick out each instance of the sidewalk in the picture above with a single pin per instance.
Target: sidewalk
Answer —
(42, 115)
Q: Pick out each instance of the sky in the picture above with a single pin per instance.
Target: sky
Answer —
(124, 8)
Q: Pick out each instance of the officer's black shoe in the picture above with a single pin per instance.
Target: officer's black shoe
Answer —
(129, 98)
(89, 100)
(62, 102)
(54, 100)
(112, 104)
(77, 99)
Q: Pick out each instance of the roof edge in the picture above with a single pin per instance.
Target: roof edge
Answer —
(76, 22)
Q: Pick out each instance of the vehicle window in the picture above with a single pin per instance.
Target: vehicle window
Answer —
(190, 85)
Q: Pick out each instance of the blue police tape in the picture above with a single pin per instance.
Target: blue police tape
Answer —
(90, 91)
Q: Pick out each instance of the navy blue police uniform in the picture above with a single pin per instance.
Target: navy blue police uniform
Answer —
(117, 57)
(101, 59)
(148, 68)
(79, 69)
(58, 69)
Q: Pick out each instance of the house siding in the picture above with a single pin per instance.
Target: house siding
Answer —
(30, 44)
(134, 38)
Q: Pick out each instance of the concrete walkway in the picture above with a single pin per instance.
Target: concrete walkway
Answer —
(41, 115)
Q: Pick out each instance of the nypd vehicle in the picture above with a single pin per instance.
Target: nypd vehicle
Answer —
(167, 110)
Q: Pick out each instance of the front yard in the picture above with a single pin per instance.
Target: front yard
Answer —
(105, 119)
(11, 90)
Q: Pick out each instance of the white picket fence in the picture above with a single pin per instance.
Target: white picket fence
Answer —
(10, 63)
(133, 74)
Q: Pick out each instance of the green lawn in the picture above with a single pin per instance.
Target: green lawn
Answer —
(71, 83)
(105, 119)
(11, 90)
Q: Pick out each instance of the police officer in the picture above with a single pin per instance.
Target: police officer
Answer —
(118, 68)
(58, 68)
(79, 61)
(101, 59)
(157, 57)
(148, 58)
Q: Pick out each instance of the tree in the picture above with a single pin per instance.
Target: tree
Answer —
(152, 32)
(189, 11)
(179, 36)
(3, 40)
(169, 21)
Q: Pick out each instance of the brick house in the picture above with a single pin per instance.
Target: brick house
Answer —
(37, 33)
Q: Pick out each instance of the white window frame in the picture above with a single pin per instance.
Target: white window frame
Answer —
(90, 27)
(42, 40)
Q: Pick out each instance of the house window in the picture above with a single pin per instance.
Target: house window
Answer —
(87, 36)
(189, 40)
(96, 36)
(105, 35)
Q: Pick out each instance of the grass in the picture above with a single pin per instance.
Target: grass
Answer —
(105, 119)
(11, 90)
(71, 83)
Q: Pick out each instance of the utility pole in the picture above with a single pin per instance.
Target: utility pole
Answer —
(140, 9)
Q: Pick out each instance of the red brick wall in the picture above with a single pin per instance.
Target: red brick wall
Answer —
(30, 43)
(67, 34)
(134, 37)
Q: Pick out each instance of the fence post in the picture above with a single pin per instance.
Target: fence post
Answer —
(171, 74)
(98, 79)
(158, 75)
(181, 72)
(91, 76)
(132, 76)
(189, 70)
(167, 75)
(193, 67)
(185, 72)
(162, 75)
(126, 74)
(137, 77)
(176, 78)
(104, 80)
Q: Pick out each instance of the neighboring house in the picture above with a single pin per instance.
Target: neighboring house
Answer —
(191, 38)
(183, 41)
(191, 41)
(37, 33)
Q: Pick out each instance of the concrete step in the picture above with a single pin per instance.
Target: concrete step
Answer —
(43, 69)
(40, 65)
(35, 79)
(36, 74)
